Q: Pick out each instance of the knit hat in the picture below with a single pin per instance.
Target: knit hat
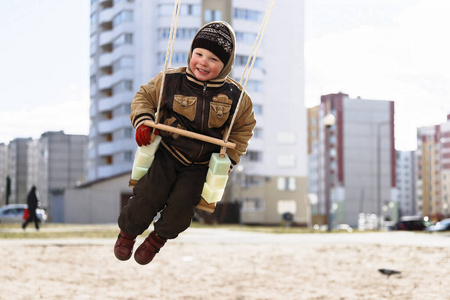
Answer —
(216, 38)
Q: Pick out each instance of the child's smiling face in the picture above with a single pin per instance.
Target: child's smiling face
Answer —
(204, 64)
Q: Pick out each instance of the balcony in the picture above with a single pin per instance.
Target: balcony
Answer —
(106, 38)
(105, 60)
(122, 51)
(110, 148)
(105, 16)
(105, 82)
(107, 126)
(122, 74)
(108, 103)
(106, 148)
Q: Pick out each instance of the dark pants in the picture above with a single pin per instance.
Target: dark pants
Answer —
(32, 217)
(168, 187)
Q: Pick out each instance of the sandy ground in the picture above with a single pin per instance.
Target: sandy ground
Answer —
(224, 264)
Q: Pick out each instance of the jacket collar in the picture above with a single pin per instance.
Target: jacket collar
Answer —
(214, 84)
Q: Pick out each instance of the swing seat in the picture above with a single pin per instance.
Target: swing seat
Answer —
(215, 183)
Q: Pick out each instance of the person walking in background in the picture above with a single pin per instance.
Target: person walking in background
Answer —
(32, 201)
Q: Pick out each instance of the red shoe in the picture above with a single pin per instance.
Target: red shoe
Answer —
(124, 246)
(148, 249)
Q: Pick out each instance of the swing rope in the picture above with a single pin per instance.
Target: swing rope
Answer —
(173, 30)
(252, 58)
(258, 37)
(167, 63)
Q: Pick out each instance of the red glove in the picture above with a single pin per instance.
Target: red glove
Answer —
(143, 134)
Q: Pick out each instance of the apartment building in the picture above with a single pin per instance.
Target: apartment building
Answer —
(406, 182)
(17, 169)
(52, 163)
(56, 161)
(128, 47)
(352, 162)
(3, 173)
(433, 166)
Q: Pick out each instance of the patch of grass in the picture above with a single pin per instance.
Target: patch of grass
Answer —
(60, 231)
(56, 231)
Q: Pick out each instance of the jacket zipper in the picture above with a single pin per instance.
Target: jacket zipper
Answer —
(203, 117)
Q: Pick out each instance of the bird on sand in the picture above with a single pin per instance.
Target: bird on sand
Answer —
(388, 272)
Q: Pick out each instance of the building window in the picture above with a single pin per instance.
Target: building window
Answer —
(126, 109)
(258, 109)
(286, 206)
(254, 86)
(123, 86)
(254, 181)
(185, 9)
(123, 16)
(126, 38)
(245, 37)
(212, 15)
(182, 33)
(252, 204)
(123, 63)
(177, 58)
(286, 184)
(190, 10)
(94, 19)
(286, 160)
(254, 156)
(127, 132)
(128, 156)
(93, 81)
(281, 183)
(292, 184)
(258, 132)
(241, 60)
(247, 14)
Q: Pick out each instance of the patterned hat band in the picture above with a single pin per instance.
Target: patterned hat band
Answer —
(216, 38)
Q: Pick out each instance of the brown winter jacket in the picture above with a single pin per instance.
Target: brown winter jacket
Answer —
(201, 107)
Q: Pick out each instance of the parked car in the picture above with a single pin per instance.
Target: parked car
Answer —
(440, 226)
(411, 223)
(13, 213)
(344, 227)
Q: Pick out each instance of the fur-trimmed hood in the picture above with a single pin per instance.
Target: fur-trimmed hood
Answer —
(229, 66)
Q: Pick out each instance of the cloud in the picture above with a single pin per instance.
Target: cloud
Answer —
(70, 116)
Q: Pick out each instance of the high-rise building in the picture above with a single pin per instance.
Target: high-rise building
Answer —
(52, 163)
(17, 169)
(56, 161)
(433, 171)
(406, 182)
(352, 162)
(128, 47)
(3, 173)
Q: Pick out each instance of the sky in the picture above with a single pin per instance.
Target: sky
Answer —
(377, 49)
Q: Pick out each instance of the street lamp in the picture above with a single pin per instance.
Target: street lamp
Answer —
(329, 121)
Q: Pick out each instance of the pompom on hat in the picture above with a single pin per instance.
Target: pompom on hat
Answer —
(216, 38)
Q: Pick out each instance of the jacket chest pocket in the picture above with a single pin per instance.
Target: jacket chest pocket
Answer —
(185, 106)
(218, 114)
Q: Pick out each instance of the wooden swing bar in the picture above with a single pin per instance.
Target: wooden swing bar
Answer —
(190, 134)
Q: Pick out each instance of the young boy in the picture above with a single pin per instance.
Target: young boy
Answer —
(200, 98)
